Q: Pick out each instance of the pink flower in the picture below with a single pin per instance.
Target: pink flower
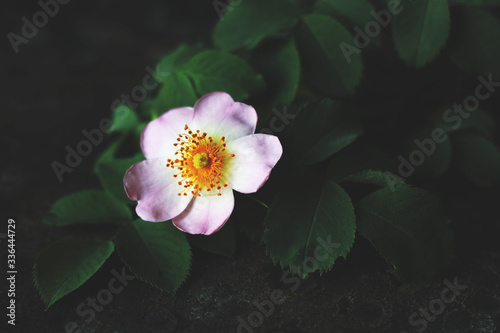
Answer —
(195, 158)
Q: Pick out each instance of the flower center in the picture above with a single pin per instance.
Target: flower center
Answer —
(200, 162)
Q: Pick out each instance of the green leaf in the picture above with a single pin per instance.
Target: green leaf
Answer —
(475, 46)
(177, 59)
(247, 23)
(409, 230)
(280, 66)
(124, 119)
(436, 155)
(356, 158)
(322, 42)
(176, 91)
(88, 207)
(108, 155)
(420, 31)
(320, 130)
(477, 158)
(223, 242)
(62, 267)
(220, 71)
(111, 175)
(375, 177)
(302, 219)
(157, 253)
(349, 12)
(479, 121)
(436, 164)
(364, 163)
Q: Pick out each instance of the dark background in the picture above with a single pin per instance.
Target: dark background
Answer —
(64, 80)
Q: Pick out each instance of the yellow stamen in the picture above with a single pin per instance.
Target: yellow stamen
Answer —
(200, 161)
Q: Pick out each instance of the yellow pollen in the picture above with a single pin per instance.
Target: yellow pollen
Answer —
(200, 162)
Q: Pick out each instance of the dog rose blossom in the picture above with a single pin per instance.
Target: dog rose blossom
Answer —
(195, 158)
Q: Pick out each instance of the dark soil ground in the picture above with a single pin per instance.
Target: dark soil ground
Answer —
(64, 80)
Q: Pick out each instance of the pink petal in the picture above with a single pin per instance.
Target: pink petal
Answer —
(218, 115)
(206, 214)
(159, 136)
(255, 156)
(154, 186)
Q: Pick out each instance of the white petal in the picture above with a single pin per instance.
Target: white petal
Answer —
(153, 185)
(255, 156)
(206, 214)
